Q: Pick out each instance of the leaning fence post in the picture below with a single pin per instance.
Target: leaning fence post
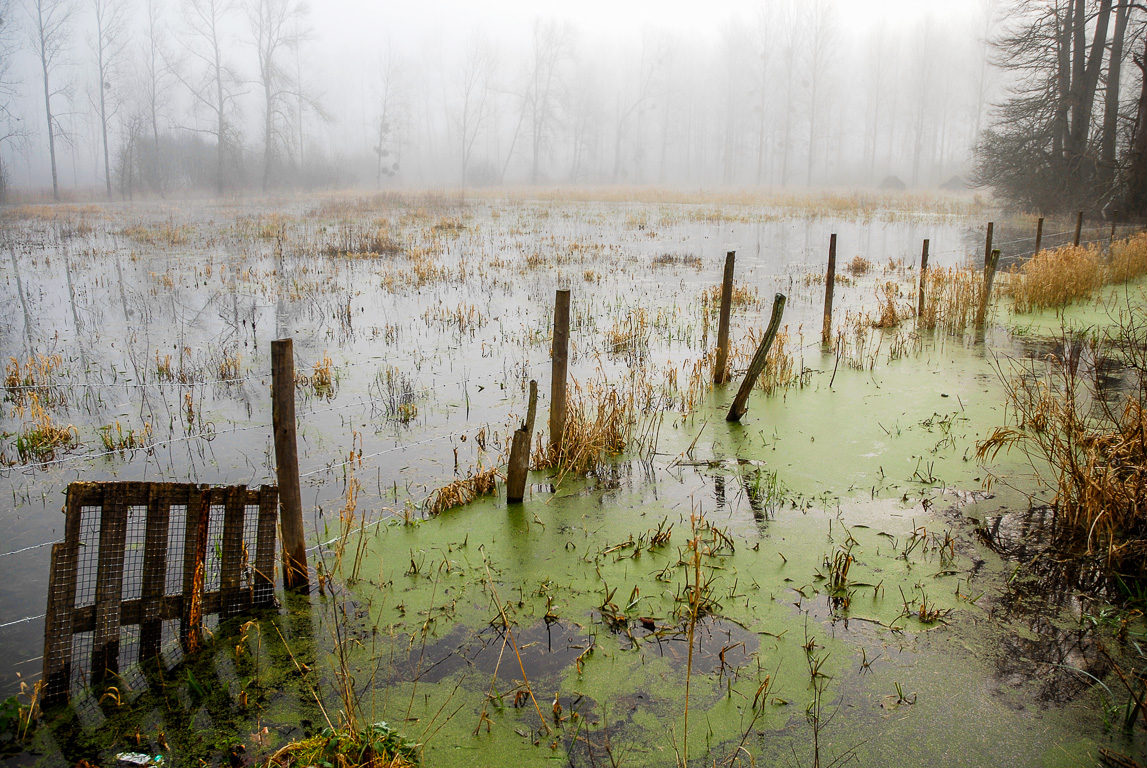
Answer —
(1038, 235)
(988, 243)
(520, 452)
(295, 574)
(989, 276)
(721, 372)
(923, 277)
(829, 283)
(561, 349)
(1078, 228)
(737, 410)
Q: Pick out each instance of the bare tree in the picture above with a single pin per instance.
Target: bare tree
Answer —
(821, 54)
(155, 76)
(763, 49)
(10, 129)
(551, 49)
(211, 83)
(389, 100)
(108, 45)
(654, 52)
(276, 28)
(474, 82)
(50, 34)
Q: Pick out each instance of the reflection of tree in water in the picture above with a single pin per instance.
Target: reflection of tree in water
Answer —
(1048, 595)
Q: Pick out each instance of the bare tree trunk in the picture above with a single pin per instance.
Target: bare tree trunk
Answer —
(1107, 159)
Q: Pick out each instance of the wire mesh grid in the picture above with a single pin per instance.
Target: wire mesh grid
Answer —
(120, 579)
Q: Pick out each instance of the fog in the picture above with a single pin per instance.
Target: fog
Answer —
(739, 94)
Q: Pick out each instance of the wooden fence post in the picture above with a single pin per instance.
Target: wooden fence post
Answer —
(1078, 228)
(988, 242)
(737, 410)
(829, 283)
(989, 276)
(295, 573)
(923, 277)
(561, 350)
(1114, 220)
(520, 452)
(721, 373)
(1038, 235)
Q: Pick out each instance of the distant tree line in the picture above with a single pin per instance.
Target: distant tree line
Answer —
(1071, 132)
(157, 97)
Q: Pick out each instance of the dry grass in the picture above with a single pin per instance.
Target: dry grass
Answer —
(1056, 278)
(744, 295)
(1088, 439)
(952, 297)
(892, 310)
(375, 746)
(323, 380)
(479, 482)
(40, 437)
(859, 266)
(34, 376)
(599, 426)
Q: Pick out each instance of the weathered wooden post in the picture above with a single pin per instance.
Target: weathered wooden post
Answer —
(1114, 220)
(520, 452)
(561, 349)
(988, 242)
(989, 276)
(923, 277)
(737, 410)
(1038, 235)
(721, 373)
(829, 283)
(295, 573)
(1078, 228)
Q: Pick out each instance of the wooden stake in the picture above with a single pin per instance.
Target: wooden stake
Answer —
(561, 350)
(988, 243)
(1078, 228)
(721, 372)
(923, 277)
(1038, 235)
(1114, 220)
(295, 573)
(737, 410)
(829, 283)
(989, 276)
(520, 452)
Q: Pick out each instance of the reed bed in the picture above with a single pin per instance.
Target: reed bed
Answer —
(600, 423)
(1056, 278)
(1088, 439)
(477, 483)
(952, 297)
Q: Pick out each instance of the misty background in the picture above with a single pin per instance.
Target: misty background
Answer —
(152, 98)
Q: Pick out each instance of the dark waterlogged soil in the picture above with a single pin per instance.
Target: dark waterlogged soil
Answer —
(858, 594)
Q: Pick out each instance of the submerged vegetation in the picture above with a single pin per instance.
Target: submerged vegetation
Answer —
(674, 590)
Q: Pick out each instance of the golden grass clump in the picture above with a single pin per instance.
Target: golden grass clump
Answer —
(482, 482)
(859, 266)
(629, 333)
(323, 380)
(743, 296)
(891, 313)
(1128, 259)
(373, 746)
(599, 425)
(40, 437)
(951, 298)
(34, 376)
(1056, 278)
(779, 372)
(1087, 439)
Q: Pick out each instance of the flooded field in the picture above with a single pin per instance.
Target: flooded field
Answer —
(833, 578)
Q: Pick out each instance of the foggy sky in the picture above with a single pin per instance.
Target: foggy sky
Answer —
(341, 64)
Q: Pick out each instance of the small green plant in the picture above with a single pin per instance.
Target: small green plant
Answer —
(376, 744)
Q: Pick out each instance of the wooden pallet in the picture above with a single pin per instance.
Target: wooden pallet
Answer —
(243, 585)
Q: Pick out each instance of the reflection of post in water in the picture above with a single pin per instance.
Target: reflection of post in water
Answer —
(719, 490)
(756, 498)
(301, 649)
(23, 300)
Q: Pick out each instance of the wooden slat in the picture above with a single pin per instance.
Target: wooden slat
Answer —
(231, 569)
(154, 585)
(62, 598)
(194, 556)
(109, 587)
(264, 592)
